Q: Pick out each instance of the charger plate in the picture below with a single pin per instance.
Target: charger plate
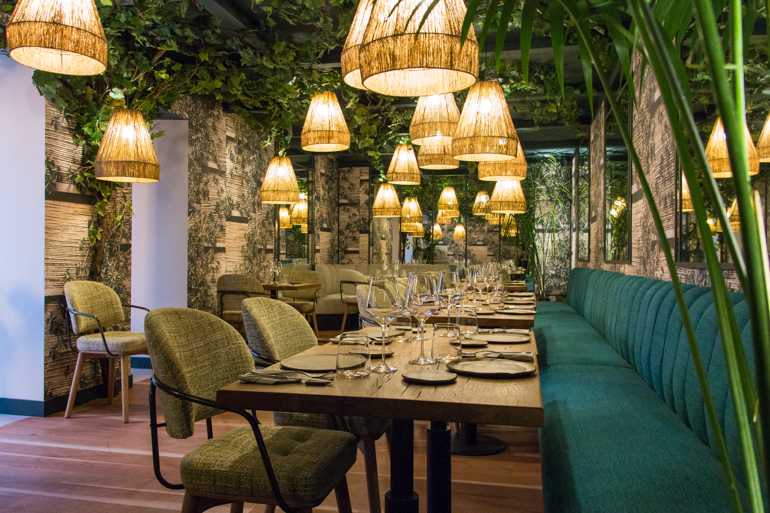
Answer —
(484, 311)
(522, 294)
(491, 368)
(376, 333)
(502, 338)
(376, 354)
(429, 377)
(321, 362)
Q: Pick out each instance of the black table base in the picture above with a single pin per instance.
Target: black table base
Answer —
(467, 442)
(439, 468)
(401, 498)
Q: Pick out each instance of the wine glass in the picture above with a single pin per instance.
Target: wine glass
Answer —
(382, 311)
(449, 290)
(422, 301)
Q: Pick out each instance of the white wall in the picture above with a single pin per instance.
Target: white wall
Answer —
(22, 234)
(159, 228)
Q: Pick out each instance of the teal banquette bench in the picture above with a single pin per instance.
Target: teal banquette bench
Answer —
(625, 427)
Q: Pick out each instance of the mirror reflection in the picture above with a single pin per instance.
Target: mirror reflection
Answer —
(617, 199)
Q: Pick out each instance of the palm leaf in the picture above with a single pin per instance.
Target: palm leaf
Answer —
(527, 25)
(556, 18)
(502, 28)
(473, 7)
(488, 22)
(621, 40)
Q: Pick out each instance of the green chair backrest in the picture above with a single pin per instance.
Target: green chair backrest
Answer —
(196, 353)
(274, 329)
(234, 283)
(304, 276)
(93, 298)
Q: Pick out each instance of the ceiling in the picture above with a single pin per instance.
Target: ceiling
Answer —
(552, 139)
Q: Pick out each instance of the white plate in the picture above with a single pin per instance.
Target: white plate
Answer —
(502, 338)
(491, 368)
(429, 377)
(377, 332)
(321, 362)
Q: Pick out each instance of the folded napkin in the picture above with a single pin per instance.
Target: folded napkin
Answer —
(506, 355)
(255, 378)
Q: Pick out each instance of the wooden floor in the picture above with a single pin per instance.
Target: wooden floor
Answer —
(95, 463)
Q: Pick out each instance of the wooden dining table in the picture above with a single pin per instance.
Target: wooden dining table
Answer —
(516, 402)
(275, 287)
(495, 320)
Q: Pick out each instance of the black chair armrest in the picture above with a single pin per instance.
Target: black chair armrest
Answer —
(137, 307)
(98, 324)
(349, 282)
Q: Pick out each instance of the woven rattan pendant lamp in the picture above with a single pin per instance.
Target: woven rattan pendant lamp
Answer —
(515, 169)
(299, 211)
(442, 218)
(418, 231)
(411, 211)
(733, 215)
(508, 226)
(718, 157)
(325, 129)
(280, 186)
(448, 203)
(58, 36)
(303, 228)
(396, 60)
(435, 120)
(351, 72)
(763, 145)
(403, 169)
(459, 233)
(437, 234)
(481, 204)
(485, 131)
(126, 153)
(386, 202)
(284, 218)
(508, 198)
(493, 219)
(437, 157)
(686, 198)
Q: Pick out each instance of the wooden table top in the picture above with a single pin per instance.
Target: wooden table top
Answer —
(495, 320)
(515, 402)
(290, 286)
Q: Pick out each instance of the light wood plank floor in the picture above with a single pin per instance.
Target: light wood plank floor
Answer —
(95, 463)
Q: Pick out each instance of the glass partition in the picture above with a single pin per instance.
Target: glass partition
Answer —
(617, 195)
(584, 207)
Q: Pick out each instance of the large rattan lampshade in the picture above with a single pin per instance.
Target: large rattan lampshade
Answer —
(284, 218)
(493, 219)
(437, 157)
(386, 202)
(763, 145)
(126, 153)
(485, 131)
(448, 203)
(437, 234)
(299, 212)
(403, 169)
(718, 157)
(442, 218)
(396, 60)
(58, 36)
(411, 211)
(325, 129)
(686, 198)
(459, 233)
(434, 120)
(351, 73)
(515, 169)
(508, 226)
(280, 186)
(481, 205)
(508, 198)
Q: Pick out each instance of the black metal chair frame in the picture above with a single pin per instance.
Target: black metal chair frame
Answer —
(253, 423)
(98, 324)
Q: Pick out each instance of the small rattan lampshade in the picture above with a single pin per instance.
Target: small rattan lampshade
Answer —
(718, 157)
(485, 131)
(418, 231)
(734, 216)
(437, 234)
(508, 226)
(325, 129)
(763, 145)
(386, 202)
(403, 169)
(299, 211)
(686, 198)
(410, 211)
(493, 219)
(437, 157)
(448, 203)
(442, 218)
(481, 205)
(459, 233)
(435, 120)
(515, 169)
(508, 198)
(303, 228)
(58, 37)
(284, 218)
(407, 226)
(351, 73)
(126, 153)
(397, 61)
(280, 186)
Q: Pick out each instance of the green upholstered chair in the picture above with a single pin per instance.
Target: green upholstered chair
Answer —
(193, 354)
(276, 331)
(304, 301)
(349, 280)
(93, 308)
(231, 290)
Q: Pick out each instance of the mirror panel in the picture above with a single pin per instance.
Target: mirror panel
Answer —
(617, 195)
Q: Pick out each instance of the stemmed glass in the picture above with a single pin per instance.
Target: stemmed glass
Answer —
(382, 311)
(449, 290)
(422, 301)
(479, 284)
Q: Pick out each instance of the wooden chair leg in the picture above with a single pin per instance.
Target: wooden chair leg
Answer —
(110, 379)
(315, 323)
(343, 497)
(75, 384)
(269, 508)
(196, 504)
(236, 507)
(372, 477)
(124, 389)
(345, 317)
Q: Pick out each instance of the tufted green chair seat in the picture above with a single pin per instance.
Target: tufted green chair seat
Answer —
(308, 461)
(276, 331)
(197, 353)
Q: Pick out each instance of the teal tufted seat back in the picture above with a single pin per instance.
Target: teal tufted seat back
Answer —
(640, 318)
